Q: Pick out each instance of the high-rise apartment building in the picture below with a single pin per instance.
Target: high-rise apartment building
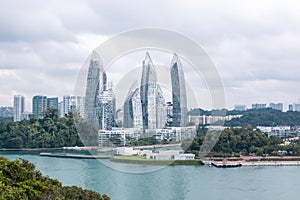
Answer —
(152, 100)
(19, 106)
(276, 106)
(52, 102)
(93, 88)
(106, 109)
(240, 107)
(72, 103)
(178, 93)
(144, 104)
(291, 107)
(6, 112)
(132, 116)
(169, 110)
(259, 105)
(39, 106)
(297, 107)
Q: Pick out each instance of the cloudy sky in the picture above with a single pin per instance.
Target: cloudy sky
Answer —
(255, 44)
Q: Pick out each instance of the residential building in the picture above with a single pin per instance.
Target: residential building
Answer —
(179, 108)
(19, 107)
(259, 105)
(119, 117)
(52, 103)
(39, 106)
(61, 112)
(291, 108)
(73, 103)
(25, 115)
(152, 100)
(297, 107)
(276, 106)
(6, 112)
(92, 88)
(106, 109)
(133, 116)
(107, 137)
(240, 107)
(169, 113)
(278, 131)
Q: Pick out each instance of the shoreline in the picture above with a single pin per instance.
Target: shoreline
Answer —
(253, 161)
(246, 161)
(91, 148)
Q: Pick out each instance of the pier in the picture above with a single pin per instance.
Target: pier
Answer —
(78, 156)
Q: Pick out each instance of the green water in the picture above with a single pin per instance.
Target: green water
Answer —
(170, 182)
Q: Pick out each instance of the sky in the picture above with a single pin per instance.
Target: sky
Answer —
(255, 45)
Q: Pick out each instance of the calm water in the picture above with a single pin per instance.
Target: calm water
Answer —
(172, 182)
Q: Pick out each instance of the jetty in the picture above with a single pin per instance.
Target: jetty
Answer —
(226, 164)
(78, 156)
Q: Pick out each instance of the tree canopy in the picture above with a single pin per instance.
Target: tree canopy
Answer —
(243, 141)
(49, 132)
(20, 180)
(266, 117)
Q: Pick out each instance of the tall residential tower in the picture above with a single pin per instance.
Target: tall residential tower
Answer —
(18, 107)
(92, 88)
(178, 93)
(39, 106)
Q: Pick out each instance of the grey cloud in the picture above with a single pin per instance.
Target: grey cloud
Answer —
(253, 43)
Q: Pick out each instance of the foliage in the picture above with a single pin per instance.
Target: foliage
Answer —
(49, 132)
(145, 141)
(242, 141)
(266, 117)
(20, 180)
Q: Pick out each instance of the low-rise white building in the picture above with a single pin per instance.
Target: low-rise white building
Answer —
(279, 131)
(116, 133)
(169, 155)
(176, 133)
(127, 151)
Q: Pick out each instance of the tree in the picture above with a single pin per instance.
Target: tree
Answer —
(49, 132)
(20, 180)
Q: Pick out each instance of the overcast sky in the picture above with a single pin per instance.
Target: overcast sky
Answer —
(255, 44)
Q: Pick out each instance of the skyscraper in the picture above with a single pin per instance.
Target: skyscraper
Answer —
(39, 106)
(144, 104)
(178, 93)
(92, 88)
(19, 104)
(106, 109)
(132, 108)
(151, 97)
(133, 117)
(72, 103)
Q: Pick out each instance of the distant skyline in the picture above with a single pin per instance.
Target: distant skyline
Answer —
(254, 44)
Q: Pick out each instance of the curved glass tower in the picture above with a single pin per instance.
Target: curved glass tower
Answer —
(178, 93)
(92, 89)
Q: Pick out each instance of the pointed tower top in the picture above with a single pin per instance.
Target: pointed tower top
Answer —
(175, 59)
(94, 55)
(147, 57)
(95, 60)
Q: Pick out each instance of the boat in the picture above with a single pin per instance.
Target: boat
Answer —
(225, 164)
